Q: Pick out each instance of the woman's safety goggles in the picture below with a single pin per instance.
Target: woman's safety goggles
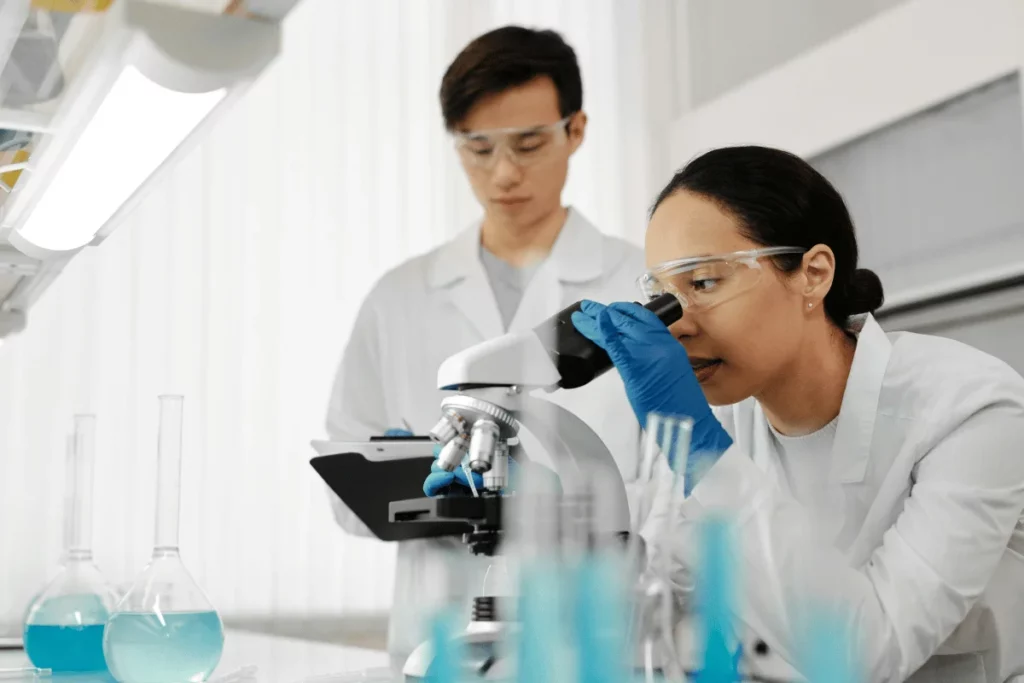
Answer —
(704, 282)
(522, 146)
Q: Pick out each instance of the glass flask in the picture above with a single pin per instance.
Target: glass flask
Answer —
(64, 624)
(164, 630)
(69, 519)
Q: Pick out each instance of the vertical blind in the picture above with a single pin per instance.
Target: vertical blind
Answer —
(236, 281)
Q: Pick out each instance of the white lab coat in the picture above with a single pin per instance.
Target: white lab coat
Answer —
(431, 307)
(921, 545)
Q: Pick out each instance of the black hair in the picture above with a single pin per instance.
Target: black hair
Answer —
(505, 58)
(782, 201)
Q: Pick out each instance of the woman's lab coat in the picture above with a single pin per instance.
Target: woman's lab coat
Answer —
(921, 547)
(432, 307)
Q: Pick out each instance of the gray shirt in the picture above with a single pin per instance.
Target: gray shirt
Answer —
(508, 283)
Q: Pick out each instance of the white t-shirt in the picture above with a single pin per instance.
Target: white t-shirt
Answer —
(806, 461)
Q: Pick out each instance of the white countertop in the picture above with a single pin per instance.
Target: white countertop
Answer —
(277, 659)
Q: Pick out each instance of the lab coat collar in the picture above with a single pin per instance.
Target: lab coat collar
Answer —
(856, 427)
(573, 255)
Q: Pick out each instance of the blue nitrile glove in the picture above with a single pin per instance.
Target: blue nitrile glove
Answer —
(438, 480)
(441, 483)
(657, 374)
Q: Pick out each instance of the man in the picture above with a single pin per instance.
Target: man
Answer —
(513, 101)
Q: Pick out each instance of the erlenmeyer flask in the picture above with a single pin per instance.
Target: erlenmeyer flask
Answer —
(64, 625)
(164, 630)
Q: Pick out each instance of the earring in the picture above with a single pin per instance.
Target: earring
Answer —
(810, 305)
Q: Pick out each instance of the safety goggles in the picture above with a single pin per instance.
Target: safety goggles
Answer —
(522, 146)
(704, 282)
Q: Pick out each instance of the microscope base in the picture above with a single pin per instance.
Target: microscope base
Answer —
(483, 658)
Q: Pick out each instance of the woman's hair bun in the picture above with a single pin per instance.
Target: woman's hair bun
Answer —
(863, 294)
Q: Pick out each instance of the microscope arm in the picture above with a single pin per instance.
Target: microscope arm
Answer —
(582, 461)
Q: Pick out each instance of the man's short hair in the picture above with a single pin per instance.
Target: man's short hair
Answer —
(505, 58)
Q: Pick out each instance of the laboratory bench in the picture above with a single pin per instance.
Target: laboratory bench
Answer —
(278, 659)
(367, 630)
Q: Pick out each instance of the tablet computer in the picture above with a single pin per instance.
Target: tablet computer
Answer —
(369, 475)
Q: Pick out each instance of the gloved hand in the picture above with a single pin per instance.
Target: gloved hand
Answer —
(657, 374)
(441, 483)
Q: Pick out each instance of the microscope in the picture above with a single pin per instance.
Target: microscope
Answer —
(492, 385)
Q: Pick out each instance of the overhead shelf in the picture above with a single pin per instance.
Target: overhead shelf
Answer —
(99, 97)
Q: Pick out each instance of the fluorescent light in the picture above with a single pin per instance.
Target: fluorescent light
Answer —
(134, 130)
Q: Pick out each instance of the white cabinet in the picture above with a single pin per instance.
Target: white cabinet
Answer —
(938, 198)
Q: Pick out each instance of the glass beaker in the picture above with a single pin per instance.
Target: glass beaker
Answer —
(64, 625)
(164, 630)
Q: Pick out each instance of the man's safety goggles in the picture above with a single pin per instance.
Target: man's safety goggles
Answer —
(522, 146)
(704, 282)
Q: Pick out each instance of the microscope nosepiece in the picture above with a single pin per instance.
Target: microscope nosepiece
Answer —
(451, 455)
(482, 444)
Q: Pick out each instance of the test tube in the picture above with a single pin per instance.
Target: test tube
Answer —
(661, 472)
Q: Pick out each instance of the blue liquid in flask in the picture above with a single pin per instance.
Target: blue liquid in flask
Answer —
(67, 647)
(174, 647)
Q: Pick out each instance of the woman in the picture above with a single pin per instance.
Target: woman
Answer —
(878, 475)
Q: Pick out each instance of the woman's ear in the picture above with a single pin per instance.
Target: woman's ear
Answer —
(819, 269)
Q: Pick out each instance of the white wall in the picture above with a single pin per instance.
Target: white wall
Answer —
(732, 41)
(883, 71)
(235, 283)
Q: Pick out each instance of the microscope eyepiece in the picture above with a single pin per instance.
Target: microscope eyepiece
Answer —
(579, 360)
(667, 308)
